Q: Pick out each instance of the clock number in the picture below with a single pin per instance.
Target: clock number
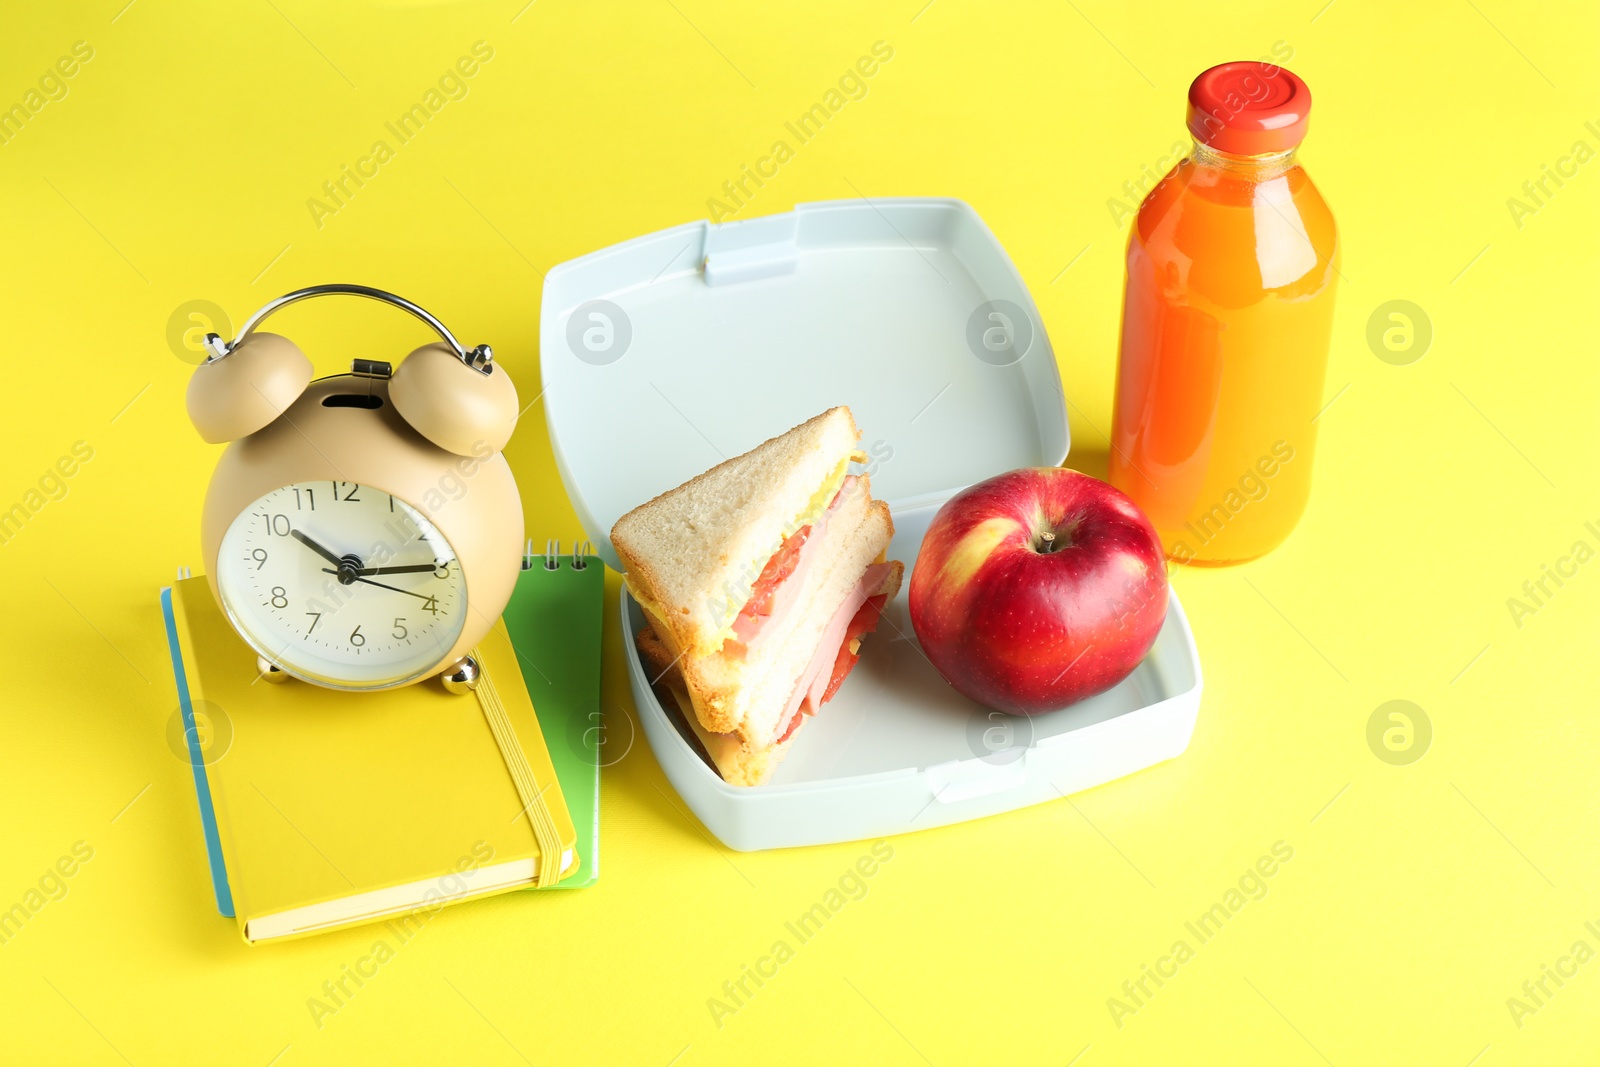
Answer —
(431, 605)
(276, 524)
(280, 597)
(260, 556)
(441, 570)
(400, 632)
(310, 501)
(316, 617)
(357, 638)
(350, 492)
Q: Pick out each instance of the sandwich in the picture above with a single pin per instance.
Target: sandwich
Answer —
(759, 579)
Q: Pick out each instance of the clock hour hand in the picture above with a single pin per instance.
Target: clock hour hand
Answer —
(380, 585)
(318, 549)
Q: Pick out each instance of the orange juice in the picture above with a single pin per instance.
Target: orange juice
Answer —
(1225, 326)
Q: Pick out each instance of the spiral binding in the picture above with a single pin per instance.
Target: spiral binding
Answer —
(581, 551)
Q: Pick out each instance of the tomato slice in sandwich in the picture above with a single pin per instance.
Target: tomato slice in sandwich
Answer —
(778, 568)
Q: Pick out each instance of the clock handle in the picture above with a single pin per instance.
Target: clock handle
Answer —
(480, 358)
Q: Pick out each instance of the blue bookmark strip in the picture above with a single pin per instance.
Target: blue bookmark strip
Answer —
(202, 786)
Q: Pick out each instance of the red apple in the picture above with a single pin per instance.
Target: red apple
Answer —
(1038, 588)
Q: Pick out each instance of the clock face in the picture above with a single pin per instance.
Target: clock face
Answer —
(342, 584)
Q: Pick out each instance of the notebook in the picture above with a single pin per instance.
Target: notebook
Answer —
(323, 809)
(556, 622)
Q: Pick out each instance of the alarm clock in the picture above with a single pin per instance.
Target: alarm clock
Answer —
(361, 531)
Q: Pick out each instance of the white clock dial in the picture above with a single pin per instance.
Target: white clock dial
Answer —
(342, 584)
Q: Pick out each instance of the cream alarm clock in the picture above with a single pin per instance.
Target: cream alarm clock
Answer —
(362, 531)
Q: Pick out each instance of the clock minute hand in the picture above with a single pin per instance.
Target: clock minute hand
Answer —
(380, 585)
(413, 568)
(318, 549)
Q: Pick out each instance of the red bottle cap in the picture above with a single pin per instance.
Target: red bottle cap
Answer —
(1249, 108)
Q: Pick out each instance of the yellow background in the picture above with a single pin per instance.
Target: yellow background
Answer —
(1419, 897)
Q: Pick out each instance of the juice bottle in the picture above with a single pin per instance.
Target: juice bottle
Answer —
(1225, 325)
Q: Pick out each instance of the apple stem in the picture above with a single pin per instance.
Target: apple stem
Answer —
(1049, 538)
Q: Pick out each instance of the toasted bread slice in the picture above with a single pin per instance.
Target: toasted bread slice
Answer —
(736, 761)
(693, 554)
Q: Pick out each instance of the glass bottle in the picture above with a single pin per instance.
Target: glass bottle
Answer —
(1227, 313)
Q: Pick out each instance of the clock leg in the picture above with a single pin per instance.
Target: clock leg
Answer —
(270, 672)
(461, 677)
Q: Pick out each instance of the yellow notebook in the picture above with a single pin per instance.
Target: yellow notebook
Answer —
(325, 809)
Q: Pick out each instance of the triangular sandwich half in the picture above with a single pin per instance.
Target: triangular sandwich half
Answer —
(759, 579)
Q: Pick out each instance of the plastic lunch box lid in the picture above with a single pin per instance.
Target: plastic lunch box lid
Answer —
(663, 355)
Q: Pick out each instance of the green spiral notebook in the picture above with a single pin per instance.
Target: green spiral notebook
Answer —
(555, 621)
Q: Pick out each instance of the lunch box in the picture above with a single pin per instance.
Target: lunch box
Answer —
(666, 354)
